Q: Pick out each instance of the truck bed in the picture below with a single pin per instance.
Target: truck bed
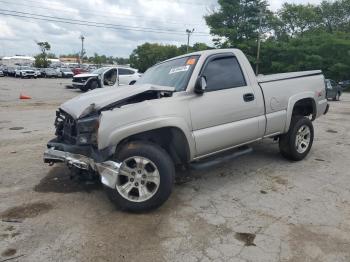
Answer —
(281, 91)
(285, 76)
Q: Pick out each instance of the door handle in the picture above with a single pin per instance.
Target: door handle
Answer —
(248, 97)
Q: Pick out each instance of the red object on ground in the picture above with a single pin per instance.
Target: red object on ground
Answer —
(24, 97)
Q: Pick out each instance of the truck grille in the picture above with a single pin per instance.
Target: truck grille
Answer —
(66, 128)
(80, 79)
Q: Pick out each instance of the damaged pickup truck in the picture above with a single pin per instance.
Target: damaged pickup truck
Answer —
(180, 111)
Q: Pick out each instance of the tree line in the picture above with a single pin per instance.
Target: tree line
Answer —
(296, 37)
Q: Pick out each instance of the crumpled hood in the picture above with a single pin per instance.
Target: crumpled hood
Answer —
(102, 97)
(85, 75)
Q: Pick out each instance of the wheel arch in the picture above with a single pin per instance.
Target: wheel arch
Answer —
(301, 104)
(171, 138)
(177, 135)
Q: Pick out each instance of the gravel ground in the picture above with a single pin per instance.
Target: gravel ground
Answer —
(258, 207)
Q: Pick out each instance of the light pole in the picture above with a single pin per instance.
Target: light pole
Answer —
(188, 32)
(82, 38)
(259, 44)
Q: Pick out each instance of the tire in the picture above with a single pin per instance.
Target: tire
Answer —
(84, 88)
(165, 169)
(132, 82)
(288, 142)
(93, 85)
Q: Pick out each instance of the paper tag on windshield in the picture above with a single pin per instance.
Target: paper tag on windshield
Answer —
(179, 69)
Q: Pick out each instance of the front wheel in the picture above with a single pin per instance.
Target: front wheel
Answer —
(146, 177)
(93, 85)
(296, 144)
(84, 88)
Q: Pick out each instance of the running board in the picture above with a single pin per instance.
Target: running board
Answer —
(221, 158)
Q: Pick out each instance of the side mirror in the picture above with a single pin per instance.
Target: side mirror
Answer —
(200, 86)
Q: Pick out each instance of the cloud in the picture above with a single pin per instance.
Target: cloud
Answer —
(141, 17)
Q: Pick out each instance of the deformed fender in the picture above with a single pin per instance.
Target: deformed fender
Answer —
(294, 99)
(117, 135)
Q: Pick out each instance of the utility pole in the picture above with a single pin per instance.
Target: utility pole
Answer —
(82, 38)
(189, 32)
(259, 43)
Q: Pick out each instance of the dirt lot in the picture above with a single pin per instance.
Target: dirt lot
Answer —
(258, 207)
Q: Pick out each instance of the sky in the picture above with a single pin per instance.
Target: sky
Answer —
(116, 26)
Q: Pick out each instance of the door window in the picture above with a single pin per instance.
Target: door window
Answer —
(223, 73)
(123, 71)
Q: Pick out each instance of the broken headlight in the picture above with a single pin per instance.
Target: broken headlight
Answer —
(87, 130)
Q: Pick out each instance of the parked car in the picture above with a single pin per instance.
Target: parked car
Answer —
(37, 72)
(180, 111)
(65, 72)
(50, 73)
(25, 72)
(105, 76)
(2, 68)
(334, 90)
(2, 73)
(11, 71)
(78, 70)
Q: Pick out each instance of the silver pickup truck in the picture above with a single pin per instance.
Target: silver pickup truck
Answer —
(182, 110)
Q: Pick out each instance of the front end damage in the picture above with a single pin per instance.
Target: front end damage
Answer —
(108, 170)
(77, 123)
(76, 146)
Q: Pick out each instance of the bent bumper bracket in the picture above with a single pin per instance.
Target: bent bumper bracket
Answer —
(108, 170)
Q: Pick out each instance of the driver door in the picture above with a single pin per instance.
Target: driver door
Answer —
(227, 114)
(110, 78)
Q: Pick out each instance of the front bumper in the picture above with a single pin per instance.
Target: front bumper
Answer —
(78, 85)
(108, 170)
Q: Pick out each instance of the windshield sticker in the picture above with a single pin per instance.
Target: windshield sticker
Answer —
(179, 69)
(191, 61)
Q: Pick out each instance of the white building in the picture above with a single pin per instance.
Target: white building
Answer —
(17, 60)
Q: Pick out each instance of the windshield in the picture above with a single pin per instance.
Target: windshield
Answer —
(174, 73)
(100, 70)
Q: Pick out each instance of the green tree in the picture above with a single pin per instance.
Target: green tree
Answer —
(297, 37)
(296, 19)
(325, 51)
(335, 15)
(147, 54)
(41, 59)
(121, 60)
(236, 21)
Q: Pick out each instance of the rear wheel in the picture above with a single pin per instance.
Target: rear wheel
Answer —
(145, 179)
(296, 144)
